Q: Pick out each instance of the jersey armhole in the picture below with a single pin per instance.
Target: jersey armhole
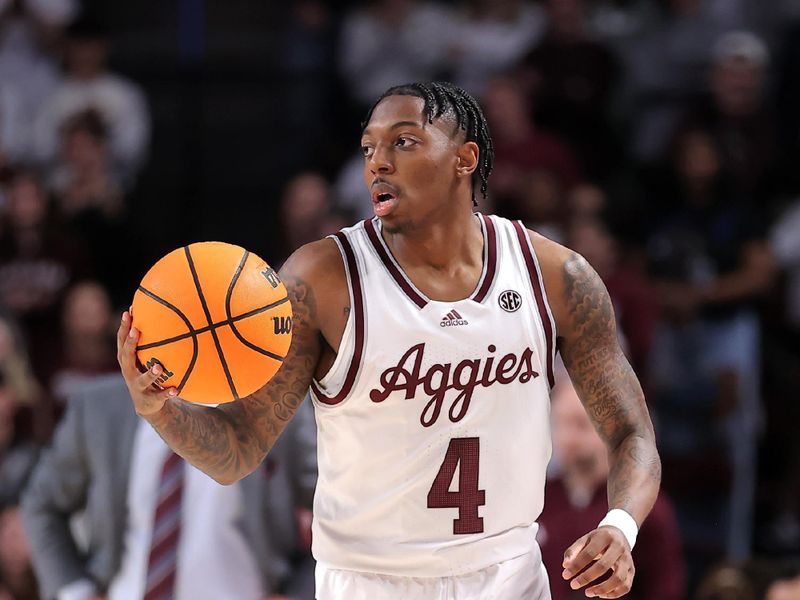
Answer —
(354, 330)
(540, 293)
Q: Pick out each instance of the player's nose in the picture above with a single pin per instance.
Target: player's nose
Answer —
(381, 161)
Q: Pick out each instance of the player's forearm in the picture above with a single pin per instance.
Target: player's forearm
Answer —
(635, 475)
(219, 441)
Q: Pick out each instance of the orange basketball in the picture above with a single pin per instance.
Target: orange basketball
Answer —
(217, 319)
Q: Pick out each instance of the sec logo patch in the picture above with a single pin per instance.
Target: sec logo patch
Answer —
(510, 301)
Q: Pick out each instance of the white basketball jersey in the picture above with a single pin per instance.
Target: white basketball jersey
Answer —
(433, 421)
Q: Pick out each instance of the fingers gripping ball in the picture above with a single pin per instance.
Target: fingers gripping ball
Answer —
(216, 318)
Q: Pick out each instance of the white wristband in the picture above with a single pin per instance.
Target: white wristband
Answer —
(620, 519)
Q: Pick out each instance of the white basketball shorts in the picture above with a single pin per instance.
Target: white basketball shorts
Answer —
(520, 578)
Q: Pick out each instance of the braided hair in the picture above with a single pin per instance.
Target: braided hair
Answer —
(443, 98)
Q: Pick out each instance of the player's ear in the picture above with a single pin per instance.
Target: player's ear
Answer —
(468, 154)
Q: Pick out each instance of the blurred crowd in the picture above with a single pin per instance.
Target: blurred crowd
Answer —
(659, 138)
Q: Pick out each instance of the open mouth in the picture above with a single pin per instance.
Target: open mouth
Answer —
(385, 196)
(384, 199)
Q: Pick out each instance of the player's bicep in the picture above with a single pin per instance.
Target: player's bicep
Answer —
(592, 355)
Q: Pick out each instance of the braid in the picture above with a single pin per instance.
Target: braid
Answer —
(443, 98)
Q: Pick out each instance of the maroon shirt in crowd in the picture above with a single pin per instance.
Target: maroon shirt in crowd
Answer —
(636, 306)
(657, 555)
(540, 151)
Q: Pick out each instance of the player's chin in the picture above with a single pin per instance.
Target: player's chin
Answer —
(395, 224)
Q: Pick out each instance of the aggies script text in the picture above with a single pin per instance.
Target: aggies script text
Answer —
(464, 377)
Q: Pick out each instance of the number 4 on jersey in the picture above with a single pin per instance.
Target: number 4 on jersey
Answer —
(463, 453)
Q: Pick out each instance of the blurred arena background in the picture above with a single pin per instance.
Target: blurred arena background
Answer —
(659, 138)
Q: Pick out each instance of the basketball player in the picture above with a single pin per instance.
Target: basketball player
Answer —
(427, 336)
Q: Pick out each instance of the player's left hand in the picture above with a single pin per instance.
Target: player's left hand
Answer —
(597, 552)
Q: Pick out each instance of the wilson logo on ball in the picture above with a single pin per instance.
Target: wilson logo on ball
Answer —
(165, 373)
(282, 324)
(272, 277)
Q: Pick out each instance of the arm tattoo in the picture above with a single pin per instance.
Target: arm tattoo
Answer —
(609, 389)
(231, 441)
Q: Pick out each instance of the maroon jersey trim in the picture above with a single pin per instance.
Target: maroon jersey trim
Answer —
(417, 297)
(354, 281)
(537, 283)
(490, 260)
(390, 264)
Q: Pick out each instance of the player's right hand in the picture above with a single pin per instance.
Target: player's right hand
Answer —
(592, 556)
(148, 397)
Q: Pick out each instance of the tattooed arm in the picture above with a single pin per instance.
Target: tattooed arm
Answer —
(230, 441)
(608, 387)
(613, 398)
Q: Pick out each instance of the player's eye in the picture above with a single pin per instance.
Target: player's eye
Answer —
(405, 142)
(367, 151)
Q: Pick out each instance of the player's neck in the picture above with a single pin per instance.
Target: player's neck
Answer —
(439, 243)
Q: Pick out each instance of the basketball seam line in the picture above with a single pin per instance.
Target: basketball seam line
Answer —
(217, 325)
(188, 323)
(208, 318)
(235, 331)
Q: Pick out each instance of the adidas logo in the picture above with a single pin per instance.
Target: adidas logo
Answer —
(452, 319)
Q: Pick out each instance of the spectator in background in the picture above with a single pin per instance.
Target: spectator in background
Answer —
(634, 298)
(87, 341)
(784, 589)
(737, 114)
(726, 582)
(619, 21)
(758, 579)
(17, 581)
(38, 261)
(35, 25)
(571, 77)
(586, 201)
(89, 199)
(349, 191)
(336, 220)
(14, 126)
(35, 417)
(15, 364)
(775, 578)
(309, 60)
(391, 42)
(236, 541)
(576, 500)
(539, 204)
(490, 37)
(18, 455)
(306, 203)
(522, 148)
(84, 179)
(18, 451)
(785, 244)
(30, 31)
(783, 371)
(667, 71)
(90, 85)
(711, 263)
